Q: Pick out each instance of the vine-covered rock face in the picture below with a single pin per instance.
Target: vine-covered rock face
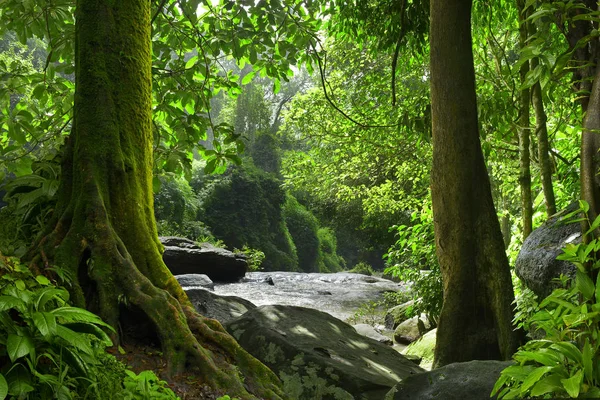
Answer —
(473, 380)
(184, 256)
(318, 356)
(536, 264)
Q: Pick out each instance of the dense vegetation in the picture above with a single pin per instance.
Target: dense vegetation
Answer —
(317, 135)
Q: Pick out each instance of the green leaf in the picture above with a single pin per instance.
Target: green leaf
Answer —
(20, 284)
(587, 358)
(48, 294)
(83, 327)
(19, 381)
(569, 350)
(42, 280)
(3, 387)
(585, 285)
(45, 322)
(75, 314)
(573, 384)
(248, 78)
(19, 346)
(8, 302)
(75, 339)
(549, 384)
(533, 377)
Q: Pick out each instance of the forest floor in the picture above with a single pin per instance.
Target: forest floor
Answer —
(140, 358)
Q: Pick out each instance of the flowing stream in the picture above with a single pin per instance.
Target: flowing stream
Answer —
(339, 294)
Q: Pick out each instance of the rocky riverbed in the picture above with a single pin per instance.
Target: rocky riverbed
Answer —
(339, 294)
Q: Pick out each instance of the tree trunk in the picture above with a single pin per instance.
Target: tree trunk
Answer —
(590, 159)
(524, 133)
(103, 230)
(475, 322)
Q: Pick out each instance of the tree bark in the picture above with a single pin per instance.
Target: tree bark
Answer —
(103, 229)
(524, 133)
(590, 158)
(475, 322)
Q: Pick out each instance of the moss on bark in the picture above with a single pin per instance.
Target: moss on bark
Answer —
(103, 230)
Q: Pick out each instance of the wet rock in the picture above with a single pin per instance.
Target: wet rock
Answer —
(412, 329)
(396, 315)
(195, 280)
(269, 280)
(370, 332)
(184, 256)
(315, 354)
(536, 264)
(473, 380)
(221, 308)
(423, 349)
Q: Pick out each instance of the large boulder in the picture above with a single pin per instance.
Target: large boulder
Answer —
(412, 329)
(536, 264)
(221, 308)
(370, 332)
(473, 380)
(184, 256)
(194, 281)
(396, 315)
(318, 356)
(423, 349)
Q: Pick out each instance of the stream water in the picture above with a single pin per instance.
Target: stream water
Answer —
(339, 294)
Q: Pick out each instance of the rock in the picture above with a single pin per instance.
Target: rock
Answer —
(412, 329)
(221, 308)
(183, 256)
(423, 349)
(318, 356)
(396, 315)
(473, 380)
(269, 281)
(370, 332)
(536, 264)
(195, 280)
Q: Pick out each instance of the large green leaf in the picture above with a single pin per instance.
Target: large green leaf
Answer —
(573, 384)
(534, 377)
(549, 384)
(45, 322)
(19, 346)
(75, 339)
(3, 387)
(585, 285)
(8, 302)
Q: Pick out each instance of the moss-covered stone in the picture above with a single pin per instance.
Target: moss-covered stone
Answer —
(423, 349)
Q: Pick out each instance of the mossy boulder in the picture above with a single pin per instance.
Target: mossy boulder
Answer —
(412, 329)
(221, 308)
(473, 380)
(536, 264)
(398, 314)
(423, 349)
(318, 356)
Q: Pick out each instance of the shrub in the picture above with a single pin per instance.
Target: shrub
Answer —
(412, 259)
(244, 207)
(303, 227)
(362, 268)
(566, 361)
(330, 260)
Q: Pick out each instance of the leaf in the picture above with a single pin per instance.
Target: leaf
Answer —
(585, 285)
(20, 284)
(18, 346)
(248, 77)
(45, 322)
(587, 358)
(19, 381)
(48, 294)
(75, 314)
(92, 329)
(549, 384)
(569, 350)
(573, 384)
(8, 302)
(42, 280)
(533, 377)
(75, 339)
(3, 387)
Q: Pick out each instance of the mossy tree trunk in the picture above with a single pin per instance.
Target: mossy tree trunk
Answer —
(103, 230)
(475, 322)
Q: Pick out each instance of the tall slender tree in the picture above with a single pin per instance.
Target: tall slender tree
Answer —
(103, 230)
(475, 321)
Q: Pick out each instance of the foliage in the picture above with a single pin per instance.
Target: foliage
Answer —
(254, 257)
(412, 259)
(565, 362)
(50, 349)
(362, 268)
(244, 207)
(303, 227)
(330, 260)
(370, 313)
(146, 385)
(30, 201)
